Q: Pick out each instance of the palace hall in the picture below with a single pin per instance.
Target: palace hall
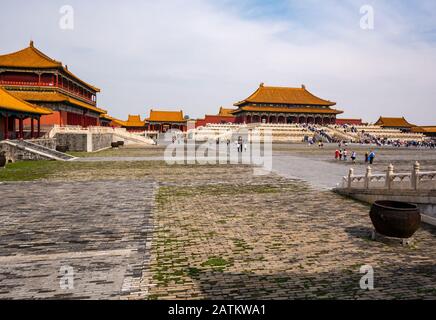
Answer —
(32, 76)
(285, 105)
(163, 121)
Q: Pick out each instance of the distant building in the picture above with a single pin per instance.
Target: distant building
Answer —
(285, 105)
(223, 116)
(428, 131)
(394, 123)
(32, 76)
(163, 121)
(133, 123)
(106, 120)
(352, 122)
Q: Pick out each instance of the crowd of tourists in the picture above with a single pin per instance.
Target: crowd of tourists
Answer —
(345, 155)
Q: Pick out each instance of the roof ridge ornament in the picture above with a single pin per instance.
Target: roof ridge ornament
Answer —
(262, 85)
(303, 87)
(31, 44)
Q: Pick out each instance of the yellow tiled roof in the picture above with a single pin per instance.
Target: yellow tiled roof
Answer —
(10, 102)
(285, 95)
(29, 57)
(134, 121)
(53, 96)
(80, 80)
(394, 122)
(424, 129)
(32, 58)
(226, 112)
(106, 117)
(288, 110)
(166, 116)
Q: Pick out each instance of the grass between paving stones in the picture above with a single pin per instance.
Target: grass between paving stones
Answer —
(169, 250)
(95, 170)
(29, 170)
(39, 170)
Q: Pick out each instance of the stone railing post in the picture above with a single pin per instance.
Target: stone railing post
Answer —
(350, 177)
(414, 179)
(389, 174)
(368, 177)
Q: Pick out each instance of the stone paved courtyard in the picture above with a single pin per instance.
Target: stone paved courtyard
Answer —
(100, 232)
(145, 230)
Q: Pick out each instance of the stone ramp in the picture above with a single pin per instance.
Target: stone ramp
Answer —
(49, 152)
(26, 150)
(131, 138)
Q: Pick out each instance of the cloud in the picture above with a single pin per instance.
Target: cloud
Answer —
(199, 55)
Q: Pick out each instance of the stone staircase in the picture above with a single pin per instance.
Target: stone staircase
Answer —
(132, 138)
(39, 151)
(341, 135)
(119, 134)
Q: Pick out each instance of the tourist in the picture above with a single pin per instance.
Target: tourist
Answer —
(240, 144)
(366, 157)
(336, 154)
(340, 154)
(371, 157)
(353, 156)
(345, 154)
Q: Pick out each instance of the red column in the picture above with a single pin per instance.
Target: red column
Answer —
(7, 127)
(39, 127)
(21, 134)
(32, 128)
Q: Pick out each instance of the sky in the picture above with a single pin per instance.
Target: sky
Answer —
(198, 55)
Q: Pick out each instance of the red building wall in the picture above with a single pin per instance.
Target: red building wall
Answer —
(355, 122)
(214, 119)
(63, 118)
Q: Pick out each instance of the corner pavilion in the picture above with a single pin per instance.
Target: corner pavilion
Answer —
(285, 105)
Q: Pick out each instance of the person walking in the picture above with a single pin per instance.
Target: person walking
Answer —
(371, 157)
(337, 154)
(353, 156)
(345, 154)
(340, 154)
(366, 157)
(240, 144)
